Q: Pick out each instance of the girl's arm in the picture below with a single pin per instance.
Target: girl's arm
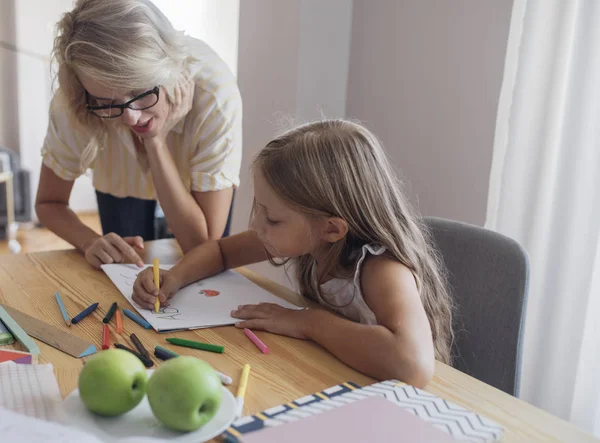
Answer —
(205, 260)
(399, 347)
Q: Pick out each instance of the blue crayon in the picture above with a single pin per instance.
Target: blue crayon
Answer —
(83, 314)
(136, 318)
(63, 311)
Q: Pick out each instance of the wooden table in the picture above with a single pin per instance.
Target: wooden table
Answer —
(294, 368)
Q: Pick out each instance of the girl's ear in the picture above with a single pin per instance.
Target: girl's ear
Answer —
(335, 229)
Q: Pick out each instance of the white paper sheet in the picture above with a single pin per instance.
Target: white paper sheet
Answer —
(20, 428)
(196, 306)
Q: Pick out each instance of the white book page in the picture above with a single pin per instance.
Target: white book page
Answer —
(202, 304)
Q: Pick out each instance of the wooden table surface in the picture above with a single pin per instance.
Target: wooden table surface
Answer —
(292, 369)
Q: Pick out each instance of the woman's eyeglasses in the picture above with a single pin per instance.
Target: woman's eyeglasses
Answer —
(138, 103)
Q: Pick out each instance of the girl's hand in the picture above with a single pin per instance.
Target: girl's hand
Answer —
(112, 248)
(273, 318)
(145, 292)
(183, 98)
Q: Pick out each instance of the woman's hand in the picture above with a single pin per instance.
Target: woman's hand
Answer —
(145, 292)
(183, 98)
(274, 318)
(113, 248)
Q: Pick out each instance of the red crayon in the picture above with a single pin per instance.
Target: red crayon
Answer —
(105, 337)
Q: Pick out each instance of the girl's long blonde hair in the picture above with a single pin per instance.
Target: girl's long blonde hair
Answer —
(123, 44)
(338, 168)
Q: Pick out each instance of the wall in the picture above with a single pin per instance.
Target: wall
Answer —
(425, 76)
(323, 54)
(293, 61)
(215, 22)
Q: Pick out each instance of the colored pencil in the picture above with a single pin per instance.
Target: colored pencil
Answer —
(147, 362)
(155, 265)
(139, 346)
(196, 345)
(62, 308)
(105, 336)
(6, 338)
(110, 313)
(136, 318)
(164, 354)
(119, 318)
(225, 379)
(83, 314)
(241, 393)
(254, 339)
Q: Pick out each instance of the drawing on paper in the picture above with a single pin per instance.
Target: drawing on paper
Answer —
(129, 279)
(168, 313)
(205, 303)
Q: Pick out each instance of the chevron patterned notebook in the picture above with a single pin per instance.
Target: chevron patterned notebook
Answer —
(279, 414)
(460, 423)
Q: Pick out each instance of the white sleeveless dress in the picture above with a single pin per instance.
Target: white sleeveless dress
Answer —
(345, 296)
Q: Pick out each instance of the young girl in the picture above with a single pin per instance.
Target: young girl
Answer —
(326, 197)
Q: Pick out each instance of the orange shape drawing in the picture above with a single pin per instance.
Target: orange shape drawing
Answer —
(209, 292)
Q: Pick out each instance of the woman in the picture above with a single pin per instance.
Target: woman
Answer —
(155, 114)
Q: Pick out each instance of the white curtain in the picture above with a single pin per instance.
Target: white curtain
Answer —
(545, 193)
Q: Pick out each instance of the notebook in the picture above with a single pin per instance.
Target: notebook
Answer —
(270, 416)
(202, 304)
(372, 419)
(31, 390)
(462, 424)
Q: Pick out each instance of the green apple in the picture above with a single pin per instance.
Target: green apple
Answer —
(184, 393)
(112, 382)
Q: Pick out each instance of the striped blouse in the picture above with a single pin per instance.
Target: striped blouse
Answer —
(206, 145)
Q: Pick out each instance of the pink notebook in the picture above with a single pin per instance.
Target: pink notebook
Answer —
(372, 419)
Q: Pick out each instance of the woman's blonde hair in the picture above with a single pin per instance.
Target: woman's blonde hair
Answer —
(123, 44)
(338, 168)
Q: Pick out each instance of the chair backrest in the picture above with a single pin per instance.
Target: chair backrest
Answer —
(488, 275)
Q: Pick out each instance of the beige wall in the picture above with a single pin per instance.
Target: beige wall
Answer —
(289, 67)
(425, 76)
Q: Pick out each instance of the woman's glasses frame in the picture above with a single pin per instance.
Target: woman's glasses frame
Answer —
(96, 110)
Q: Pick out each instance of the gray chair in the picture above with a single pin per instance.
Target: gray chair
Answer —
(488, 274)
